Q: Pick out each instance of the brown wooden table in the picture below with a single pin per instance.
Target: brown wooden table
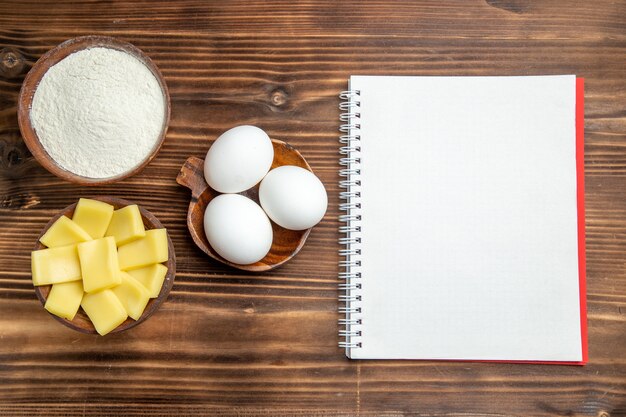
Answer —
(232, 343)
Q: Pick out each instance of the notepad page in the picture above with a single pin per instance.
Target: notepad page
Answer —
(469, 218)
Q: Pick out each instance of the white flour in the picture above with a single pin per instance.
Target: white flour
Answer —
(98, 112)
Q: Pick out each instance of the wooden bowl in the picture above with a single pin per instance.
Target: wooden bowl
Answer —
(286, 243)
(35, 75)
(81, 322)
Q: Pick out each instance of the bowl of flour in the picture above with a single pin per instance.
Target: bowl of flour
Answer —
(94, 110)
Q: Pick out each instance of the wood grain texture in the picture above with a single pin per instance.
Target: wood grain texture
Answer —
(227, 342)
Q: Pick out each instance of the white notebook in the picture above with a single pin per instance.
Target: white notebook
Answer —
(463, 220)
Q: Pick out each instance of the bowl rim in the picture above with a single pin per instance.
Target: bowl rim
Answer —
(153, 304)
(32, 80)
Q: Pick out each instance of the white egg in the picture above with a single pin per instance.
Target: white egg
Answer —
(293, 197)
(238, 159)
(237, 229)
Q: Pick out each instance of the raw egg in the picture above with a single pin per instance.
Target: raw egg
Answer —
(238, 229)
(293, 197)
(238, 159)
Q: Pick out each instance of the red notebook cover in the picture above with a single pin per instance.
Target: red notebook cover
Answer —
(580, 180)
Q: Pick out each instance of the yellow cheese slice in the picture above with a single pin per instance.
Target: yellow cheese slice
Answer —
(55, 265)
(99, 264)
(104, 309)
(150, 249)
(93, 216)
(126, 225)
(64, 232)
(64, 299)
(151, 277)
(133, 295)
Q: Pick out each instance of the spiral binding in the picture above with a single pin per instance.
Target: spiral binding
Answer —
(350, 297)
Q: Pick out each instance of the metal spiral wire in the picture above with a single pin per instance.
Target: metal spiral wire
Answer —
(348, 150)
(344, 322)
(349, 184)
(350, 285)
(349, 275)
(349, 240)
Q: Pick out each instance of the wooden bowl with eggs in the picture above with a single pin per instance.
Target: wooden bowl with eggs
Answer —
(285, 244)
(81, 322)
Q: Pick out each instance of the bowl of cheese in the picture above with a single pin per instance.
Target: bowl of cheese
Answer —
(103, 265)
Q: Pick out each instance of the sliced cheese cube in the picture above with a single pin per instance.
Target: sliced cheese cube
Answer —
(99, 265)
(150, 249)
(64, 299)
(151, 277)
(64, 232)
(104, 309)
(132, 294)
(126, 225)
(93, 216)
(55, 265)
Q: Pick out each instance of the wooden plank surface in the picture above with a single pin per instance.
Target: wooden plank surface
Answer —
(233, 343)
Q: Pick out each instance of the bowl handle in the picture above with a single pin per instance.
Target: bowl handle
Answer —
(191, 175)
